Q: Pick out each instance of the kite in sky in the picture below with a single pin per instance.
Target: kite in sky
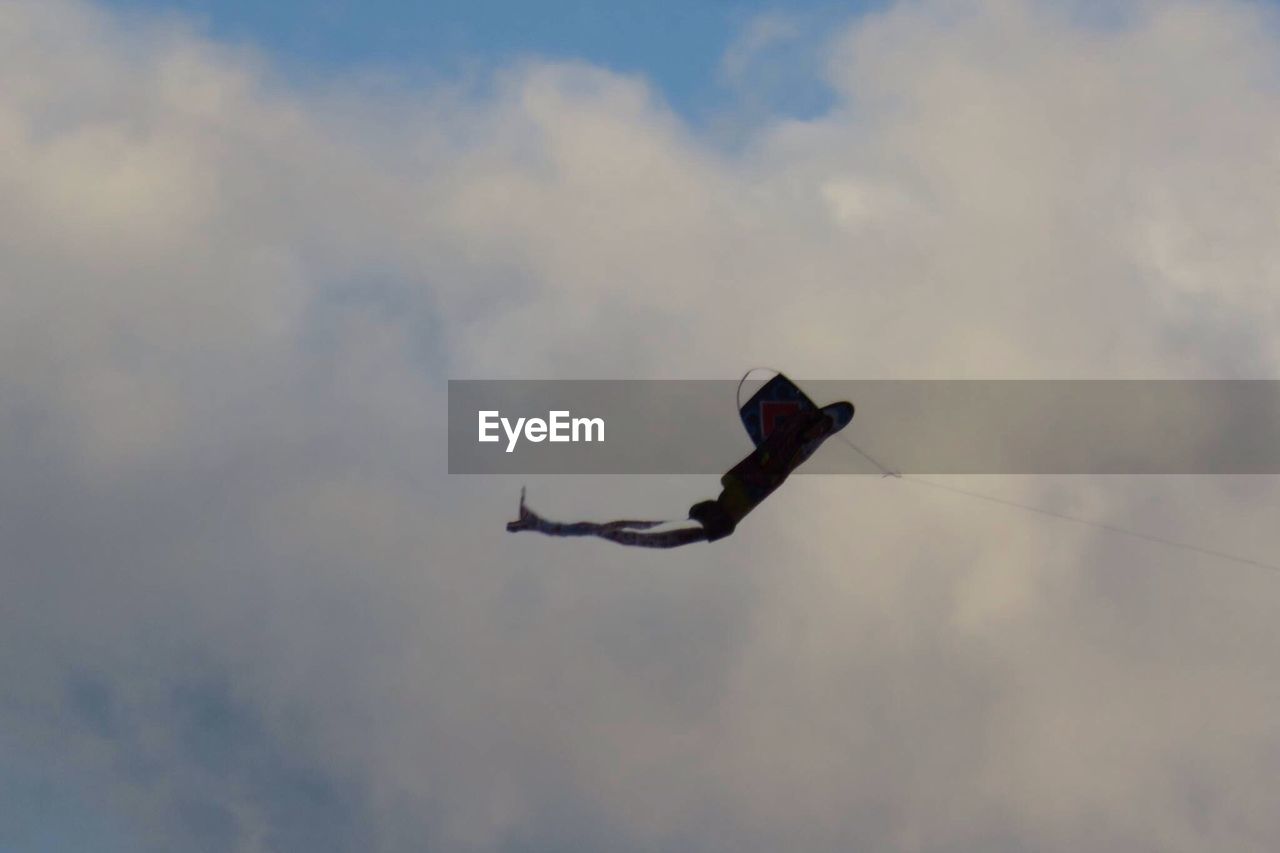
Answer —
(786, 428)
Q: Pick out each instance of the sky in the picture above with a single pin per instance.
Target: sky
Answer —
(680, 48)
(245, 608)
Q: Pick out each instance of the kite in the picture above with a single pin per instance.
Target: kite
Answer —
(786, 428)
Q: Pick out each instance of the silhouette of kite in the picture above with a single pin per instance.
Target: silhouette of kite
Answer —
(786, 428)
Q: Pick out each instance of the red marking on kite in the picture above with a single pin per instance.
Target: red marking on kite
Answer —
(772, 411)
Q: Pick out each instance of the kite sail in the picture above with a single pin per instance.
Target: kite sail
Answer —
(778, 399)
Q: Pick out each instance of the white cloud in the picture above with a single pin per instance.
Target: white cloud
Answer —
(227, 307)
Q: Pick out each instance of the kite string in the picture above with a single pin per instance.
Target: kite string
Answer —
(1029, 507)
(1100, 525)
(1088, 522)
(884, 472)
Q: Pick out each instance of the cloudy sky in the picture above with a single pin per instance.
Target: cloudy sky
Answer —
(243, 246)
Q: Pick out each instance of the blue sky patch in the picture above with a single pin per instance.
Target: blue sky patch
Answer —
(680, 48)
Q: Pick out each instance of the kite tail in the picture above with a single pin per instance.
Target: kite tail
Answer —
(623, 532)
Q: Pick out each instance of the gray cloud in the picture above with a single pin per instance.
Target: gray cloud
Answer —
(245, 608)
